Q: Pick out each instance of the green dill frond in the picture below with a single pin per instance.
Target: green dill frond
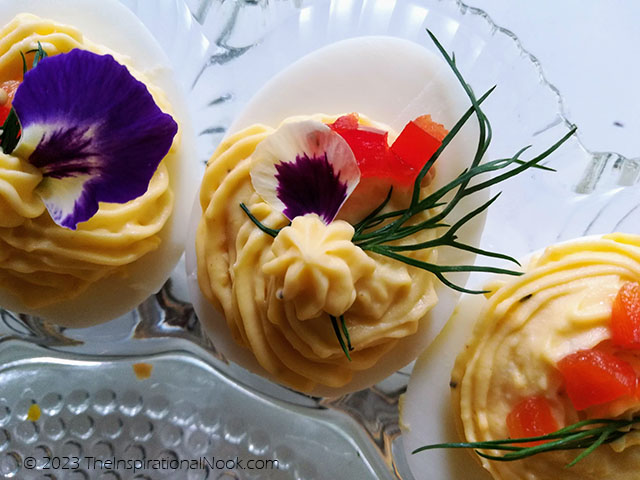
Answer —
(586, 435)
(341, 331)
(269, 231)
(10, 135)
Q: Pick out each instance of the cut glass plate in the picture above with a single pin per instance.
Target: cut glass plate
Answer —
(194, 403)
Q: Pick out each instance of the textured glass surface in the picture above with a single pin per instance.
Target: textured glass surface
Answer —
(92, 404)
(95, 409)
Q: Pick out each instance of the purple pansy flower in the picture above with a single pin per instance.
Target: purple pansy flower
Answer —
(305, 167)
(93, 130)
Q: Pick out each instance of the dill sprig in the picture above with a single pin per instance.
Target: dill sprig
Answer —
(586, 435)
(378, 231)
(10, 132)
(269, 231)
(11, 127)
(39, 55)
(341, 331)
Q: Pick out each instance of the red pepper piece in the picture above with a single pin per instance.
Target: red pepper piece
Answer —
(592, 377)
(436, 130)
(4, 112)
(370, 147)
(625, 317)
(9, 87)
(417, 142)
(346, 122)
(414, 146)
(531, 417)
(403, 160)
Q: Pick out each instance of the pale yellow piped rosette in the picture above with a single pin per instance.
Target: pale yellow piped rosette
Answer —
(562, 304)
(40, 262)
(276, 294)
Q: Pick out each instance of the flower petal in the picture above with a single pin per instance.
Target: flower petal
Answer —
(305, 167)
(88, 123)
(66, 199)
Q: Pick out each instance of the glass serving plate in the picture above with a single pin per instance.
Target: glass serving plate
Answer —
(195, 404)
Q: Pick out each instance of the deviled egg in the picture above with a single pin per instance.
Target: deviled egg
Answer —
(556, 348)
(95, 182)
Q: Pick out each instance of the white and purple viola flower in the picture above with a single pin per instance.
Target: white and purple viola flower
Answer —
(92, 129)
(305, 167)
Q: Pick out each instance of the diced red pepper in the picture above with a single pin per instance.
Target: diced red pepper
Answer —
(625, 317)
(4, 112)
(403, 160)
(9, 87)
(346, 122)
(436, 130)
(531, 417)
(370, 147)
(593, 377)
(414, 146)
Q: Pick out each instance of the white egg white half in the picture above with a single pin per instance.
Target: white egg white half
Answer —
(427, 415)
(391, 81)
(426, 412)
(111, 24)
